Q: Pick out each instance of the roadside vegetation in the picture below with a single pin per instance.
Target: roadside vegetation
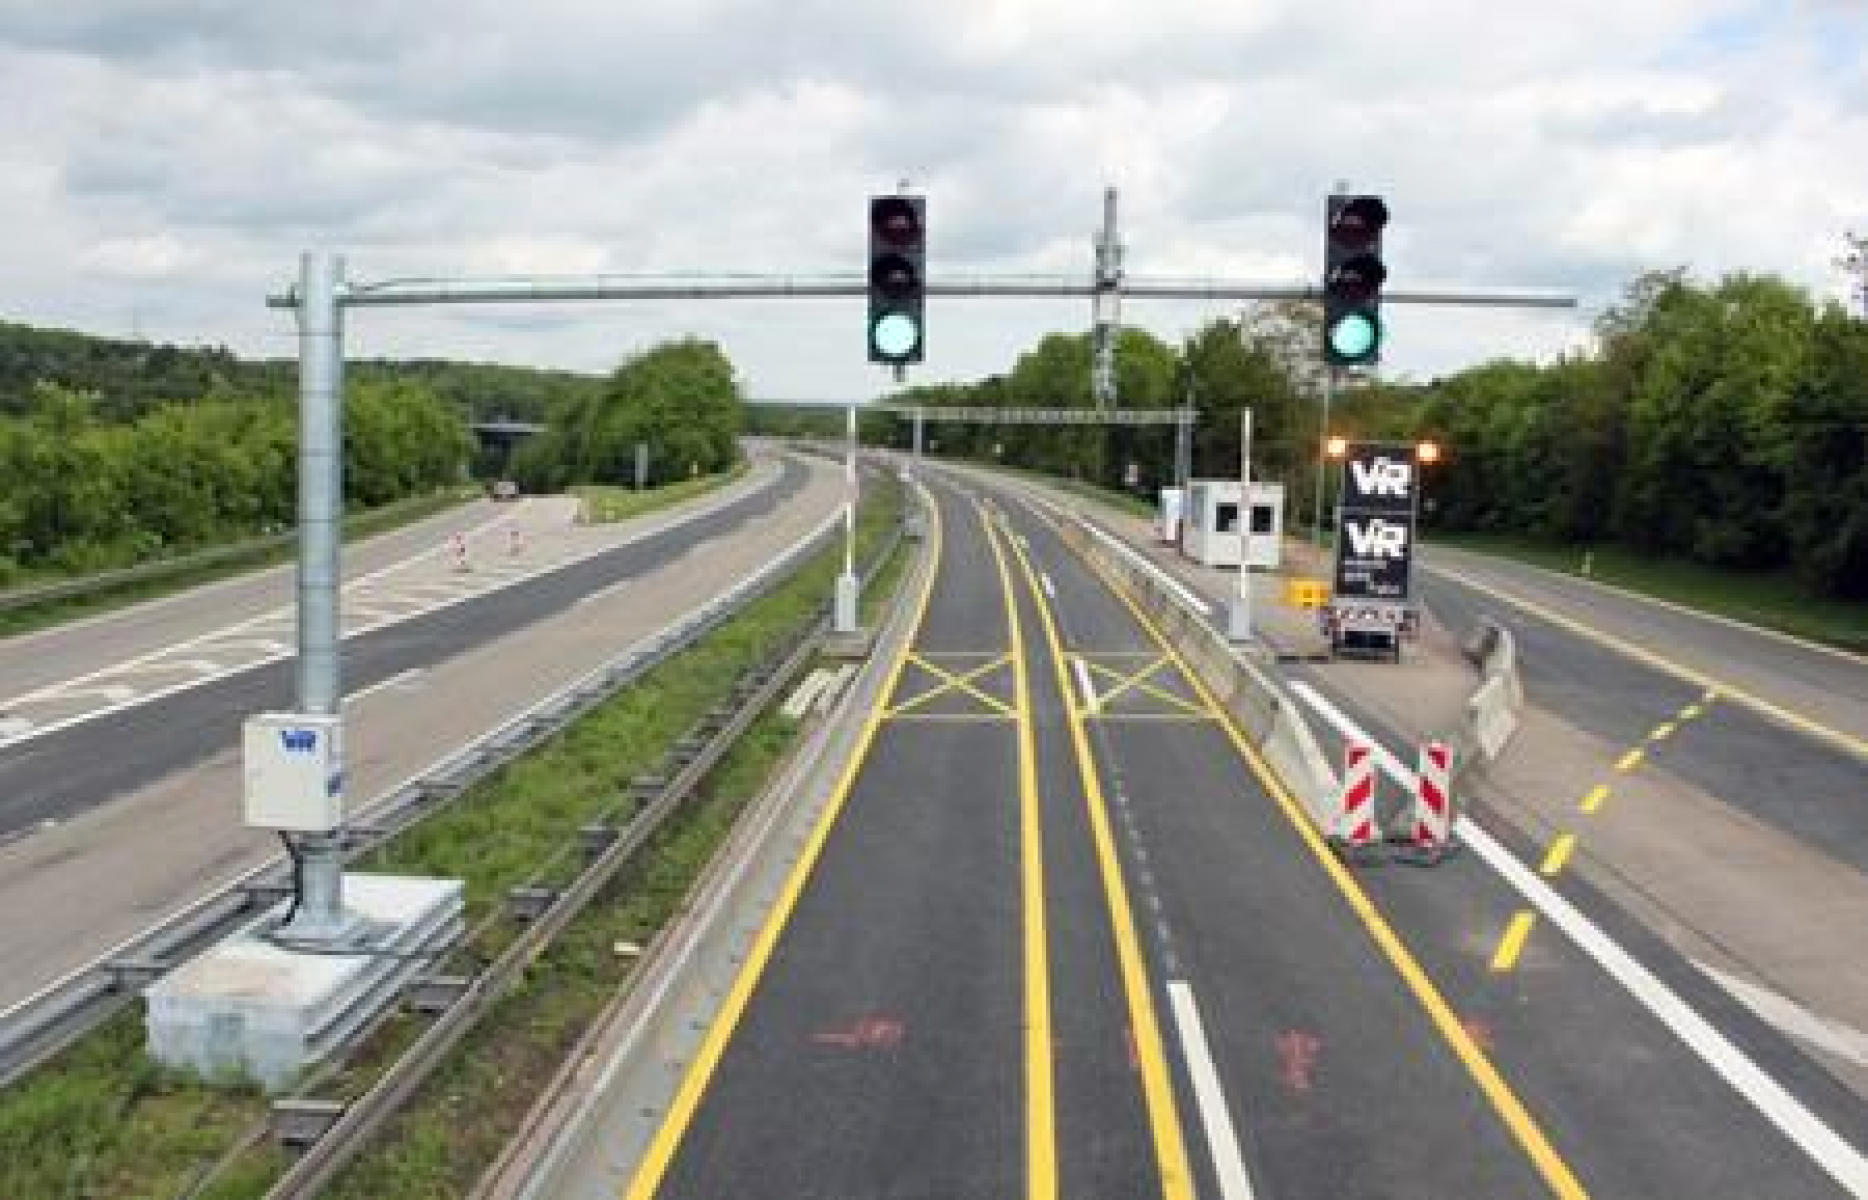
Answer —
(103, 1121)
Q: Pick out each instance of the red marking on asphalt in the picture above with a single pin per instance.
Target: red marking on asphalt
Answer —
(1297, 1050)
(1480, 1032)
(863, 1034)
(1135, 1061)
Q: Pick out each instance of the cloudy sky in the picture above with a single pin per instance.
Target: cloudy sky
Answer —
(166, 160)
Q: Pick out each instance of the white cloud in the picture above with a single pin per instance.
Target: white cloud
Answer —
(168, 159)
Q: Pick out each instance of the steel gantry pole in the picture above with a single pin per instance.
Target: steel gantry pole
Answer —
(318, 914)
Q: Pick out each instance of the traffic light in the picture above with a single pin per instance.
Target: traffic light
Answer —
(897, 278)
(1353, 275)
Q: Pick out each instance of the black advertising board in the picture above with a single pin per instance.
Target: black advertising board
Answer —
(1379, 477)
(1373, 554)
(1375, 537)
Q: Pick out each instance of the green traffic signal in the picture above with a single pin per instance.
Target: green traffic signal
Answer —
(894, 336)
(1354, 336)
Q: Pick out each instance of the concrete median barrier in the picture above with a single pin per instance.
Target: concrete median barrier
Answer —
(1493, 710)
(1263, 711)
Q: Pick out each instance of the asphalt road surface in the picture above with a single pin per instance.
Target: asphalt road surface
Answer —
(1065, 937)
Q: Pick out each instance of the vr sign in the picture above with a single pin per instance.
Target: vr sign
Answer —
(1375, 540)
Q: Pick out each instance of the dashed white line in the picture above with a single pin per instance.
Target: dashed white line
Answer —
(394, 680)
(1092, 703)
(604, 593)
(1044, 581)
(1222, 1142)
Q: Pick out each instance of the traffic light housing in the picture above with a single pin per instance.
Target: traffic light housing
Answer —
(897, 278)
(1353, 275)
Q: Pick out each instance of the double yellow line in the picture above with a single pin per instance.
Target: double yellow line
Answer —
(1157, 1089)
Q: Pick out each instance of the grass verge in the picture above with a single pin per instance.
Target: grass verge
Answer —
(218, 564)
(604, 503)
(104, 1121)
(1774, 600)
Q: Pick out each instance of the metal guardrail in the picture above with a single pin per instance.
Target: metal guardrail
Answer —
(38, 1027)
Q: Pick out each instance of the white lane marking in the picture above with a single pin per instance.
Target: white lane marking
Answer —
(11, 727)
(603, 593)
(1785, 1014)
(393, 681)
(1222, 1143)
(110, 693)
(1773, 1101)
(1350, 730)
(1044, 581)
(1092, 703)
(200, 666)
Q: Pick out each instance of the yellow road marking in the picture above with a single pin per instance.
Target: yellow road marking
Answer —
(1714, 688)
(952, 681)
(1157, 1089)
(1630, 760)
(1139, 681)
(1662, 731)
(661, 1150)
(1690, 711)
(1040, 1104)
(1512, 944)
(1596, 796)
(1558, 854)
(1530, 1137)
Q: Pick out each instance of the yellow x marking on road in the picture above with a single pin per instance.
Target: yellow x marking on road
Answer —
(1138, 681)
(954, 681)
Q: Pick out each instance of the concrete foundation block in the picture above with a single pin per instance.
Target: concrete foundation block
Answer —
(248, 1009)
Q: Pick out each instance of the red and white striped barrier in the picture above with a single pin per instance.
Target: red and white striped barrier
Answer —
(1355, 808)
(1433, 798)
(460, 553)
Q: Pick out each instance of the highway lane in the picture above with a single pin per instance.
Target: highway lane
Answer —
(1627, 1107)
(70, 892)
(877, 1043)
(73, 769)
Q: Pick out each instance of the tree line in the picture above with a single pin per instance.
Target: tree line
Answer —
(84, 492)
(1724, 423)
(680, 401)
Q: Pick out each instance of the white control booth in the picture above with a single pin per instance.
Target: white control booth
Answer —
(1210, 531)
